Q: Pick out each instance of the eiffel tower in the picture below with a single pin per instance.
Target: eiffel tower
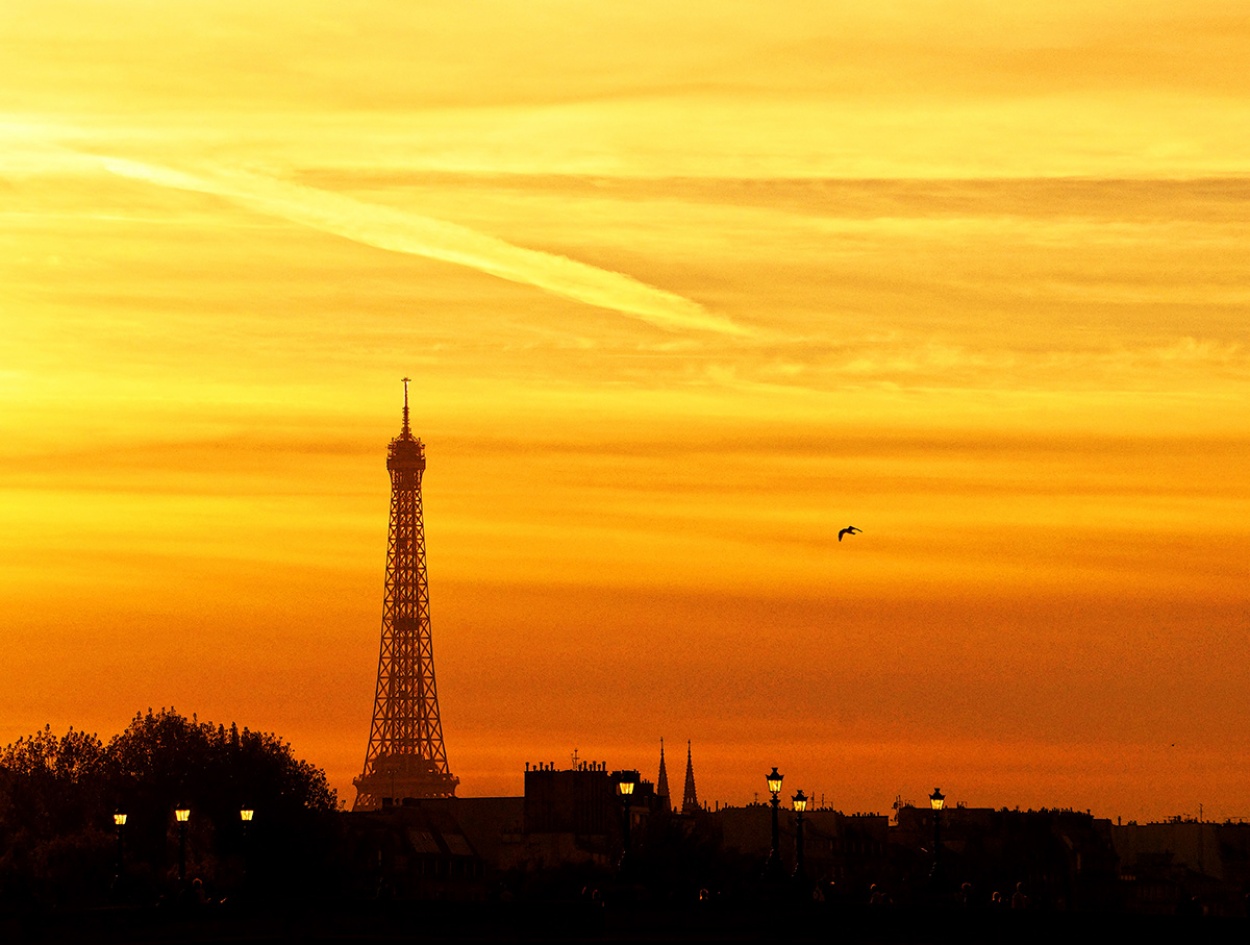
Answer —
(405, 757)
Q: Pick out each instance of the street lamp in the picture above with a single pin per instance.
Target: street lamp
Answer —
(937, 801)
(625, 788)
(800, 805)
(119, 821)
(182, 815)
(772, 869)
(245, 817)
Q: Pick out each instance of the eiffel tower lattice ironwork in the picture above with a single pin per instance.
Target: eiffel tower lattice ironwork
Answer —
(406, 757)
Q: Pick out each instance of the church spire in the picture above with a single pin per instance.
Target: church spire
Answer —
(661, 783)
(689, 798)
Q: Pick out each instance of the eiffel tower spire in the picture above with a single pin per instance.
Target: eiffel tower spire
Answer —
(405, 757)
(661, 783)
(689, 797)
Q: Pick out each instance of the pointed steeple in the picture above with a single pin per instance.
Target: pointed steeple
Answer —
(661, 783)
(689, 797)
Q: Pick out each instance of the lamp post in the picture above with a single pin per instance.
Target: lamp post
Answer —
(182, 814)
(625, 788)
(772, 869)
(936, 801)
(800, 805)
(119, 821)
(245, 817)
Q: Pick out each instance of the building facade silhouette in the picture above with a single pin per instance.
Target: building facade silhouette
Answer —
(406, 757)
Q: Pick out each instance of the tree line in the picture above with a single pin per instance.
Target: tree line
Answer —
(59, 844)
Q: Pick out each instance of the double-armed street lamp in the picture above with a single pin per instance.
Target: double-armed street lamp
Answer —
(772, 869)
(937, 801)
(182, 814)
(800, 805)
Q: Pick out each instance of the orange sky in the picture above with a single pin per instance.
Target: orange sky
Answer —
(682, 291)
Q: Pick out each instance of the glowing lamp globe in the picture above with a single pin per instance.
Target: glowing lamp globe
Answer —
(937, 799)
(800, 802)
(183, 814)
(774, 781)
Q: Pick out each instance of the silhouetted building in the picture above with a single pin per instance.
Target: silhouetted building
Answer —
(411, 851)
(575, 815)
(405, 757)
(1065, 858)
(579, 801)
(847, 849)
(1191, 863)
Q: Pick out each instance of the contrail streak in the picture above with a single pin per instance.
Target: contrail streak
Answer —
(390, 229)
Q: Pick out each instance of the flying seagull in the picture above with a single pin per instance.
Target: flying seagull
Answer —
(849, 530)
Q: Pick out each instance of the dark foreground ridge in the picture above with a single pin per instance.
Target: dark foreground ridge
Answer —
(589, 921)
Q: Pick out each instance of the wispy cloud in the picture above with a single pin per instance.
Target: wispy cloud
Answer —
(401, 232)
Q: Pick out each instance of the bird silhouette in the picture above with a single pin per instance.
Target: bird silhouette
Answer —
(849, 530)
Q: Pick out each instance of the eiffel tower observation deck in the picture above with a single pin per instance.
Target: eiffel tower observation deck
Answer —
(405, 757)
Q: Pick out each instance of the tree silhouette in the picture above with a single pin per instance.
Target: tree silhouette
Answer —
(57, 795)
(52, 821)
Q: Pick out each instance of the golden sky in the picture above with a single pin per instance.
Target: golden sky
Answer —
(683, 289)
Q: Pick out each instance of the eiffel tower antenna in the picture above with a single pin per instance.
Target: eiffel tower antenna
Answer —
(405, 757)
(406, 432)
